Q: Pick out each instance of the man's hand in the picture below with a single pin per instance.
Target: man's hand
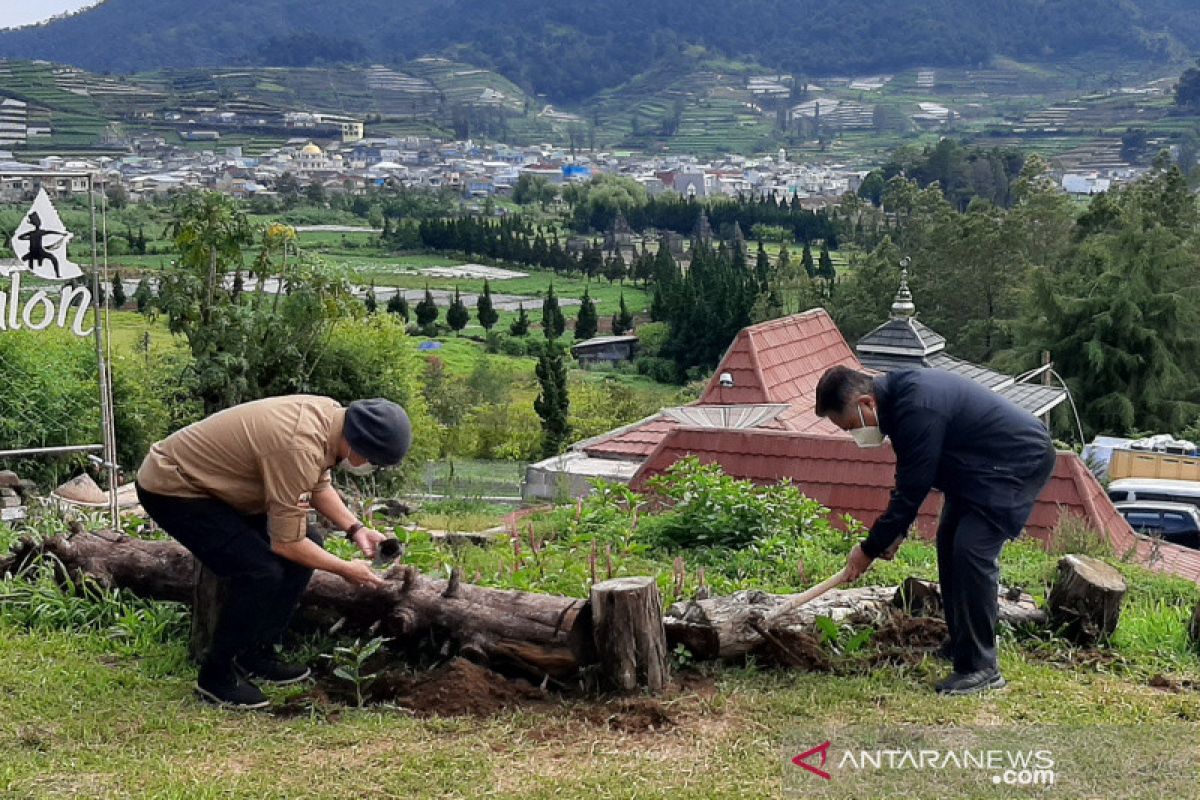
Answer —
(360, 573)
(858, 563)
(368, 540)
(890, 553)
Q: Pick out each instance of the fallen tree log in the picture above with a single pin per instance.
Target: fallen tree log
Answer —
(531, 634)
(723, 627)
(534, 634)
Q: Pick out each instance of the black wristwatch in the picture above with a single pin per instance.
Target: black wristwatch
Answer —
(353, 529)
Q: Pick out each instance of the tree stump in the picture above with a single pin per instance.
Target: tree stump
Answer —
(208, 595)
(1085, 601)
(627, 629)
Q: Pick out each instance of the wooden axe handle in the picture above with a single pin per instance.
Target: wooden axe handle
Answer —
(807, 596)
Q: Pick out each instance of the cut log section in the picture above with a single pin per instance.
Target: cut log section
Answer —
(208, 595)
(1084, 603)
(628, 633)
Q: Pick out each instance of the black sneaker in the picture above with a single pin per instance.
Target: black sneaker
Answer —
(225, 689)
(267, 667)
(961, 683)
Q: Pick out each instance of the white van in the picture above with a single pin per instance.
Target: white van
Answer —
(1156, 489)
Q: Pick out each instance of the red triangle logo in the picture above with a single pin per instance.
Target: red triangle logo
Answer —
(802, 760)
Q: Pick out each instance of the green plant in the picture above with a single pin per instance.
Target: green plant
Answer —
(714, 509)
(350, 664)
(842, 640)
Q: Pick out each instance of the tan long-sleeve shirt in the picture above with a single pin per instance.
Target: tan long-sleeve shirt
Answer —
(258, 457)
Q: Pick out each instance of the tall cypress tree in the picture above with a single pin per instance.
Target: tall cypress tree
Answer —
(427, 310)
(553, 322)
(520, 325)
(586, 323)
(484, 310)
(806, 261)
(118, 291)
(622, 321)
(370, 300)
(762, 268)
(398, 305)
(825, 264)
(552, 403)
(457, 315)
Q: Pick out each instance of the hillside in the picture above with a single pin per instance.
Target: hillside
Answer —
(571, 51)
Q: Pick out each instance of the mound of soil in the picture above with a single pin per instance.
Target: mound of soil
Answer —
(462, 688)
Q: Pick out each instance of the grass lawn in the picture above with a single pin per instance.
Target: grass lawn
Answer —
(80, 721)
(96, 714)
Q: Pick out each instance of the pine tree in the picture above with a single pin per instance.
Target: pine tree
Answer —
(118, 291)
(553, 322)
(457, 315)
(520, 325)
(586, 323)
(622, 321)
(484, 310)
(370, 301)
(427, 310)
(141, 241)
(552, 403)
(806, 261)
(398, 305)
(825, 264)
(762, 268)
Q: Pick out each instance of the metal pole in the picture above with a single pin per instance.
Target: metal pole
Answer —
(100, 320)
(40, 451)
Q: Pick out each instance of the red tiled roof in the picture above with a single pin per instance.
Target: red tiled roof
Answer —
(774, 362)
(780, 361)
(856, 481)
(633, 443)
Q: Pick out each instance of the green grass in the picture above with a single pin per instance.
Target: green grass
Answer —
(90, 713)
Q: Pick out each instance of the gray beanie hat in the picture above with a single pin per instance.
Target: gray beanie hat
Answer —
(378, 430)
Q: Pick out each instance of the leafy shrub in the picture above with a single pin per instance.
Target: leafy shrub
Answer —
(710, 508)
(50, 398)
(658, 369)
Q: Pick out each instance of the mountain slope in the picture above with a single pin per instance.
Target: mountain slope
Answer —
(572, 50)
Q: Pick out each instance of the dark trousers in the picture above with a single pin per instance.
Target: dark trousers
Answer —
(968, 550)
(263, 589)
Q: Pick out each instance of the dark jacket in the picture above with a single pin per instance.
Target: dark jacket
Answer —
(953, 434)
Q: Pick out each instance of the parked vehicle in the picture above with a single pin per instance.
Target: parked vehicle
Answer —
(1177, 523)
(1155, 489)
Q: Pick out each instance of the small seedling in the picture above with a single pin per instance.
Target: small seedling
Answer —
(350, 664)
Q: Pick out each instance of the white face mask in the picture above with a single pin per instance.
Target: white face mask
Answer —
(867, 435)
(361, 470)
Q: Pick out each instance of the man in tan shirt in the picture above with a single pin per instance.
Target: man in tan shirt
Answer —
(230, 488)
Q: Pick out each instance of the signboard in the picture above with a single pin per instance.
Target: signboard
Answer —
(40, 244)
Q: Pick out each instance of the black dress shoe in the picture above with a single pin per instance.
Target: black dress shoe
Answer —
(960, 683)
(222, 687)
(266, 667)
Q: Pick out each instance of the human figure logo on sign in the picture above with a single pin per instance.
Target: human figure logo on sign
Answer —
(40, 244)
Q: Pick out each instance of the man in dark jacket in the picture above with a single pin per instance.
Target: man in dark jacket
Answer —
(989, 458)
